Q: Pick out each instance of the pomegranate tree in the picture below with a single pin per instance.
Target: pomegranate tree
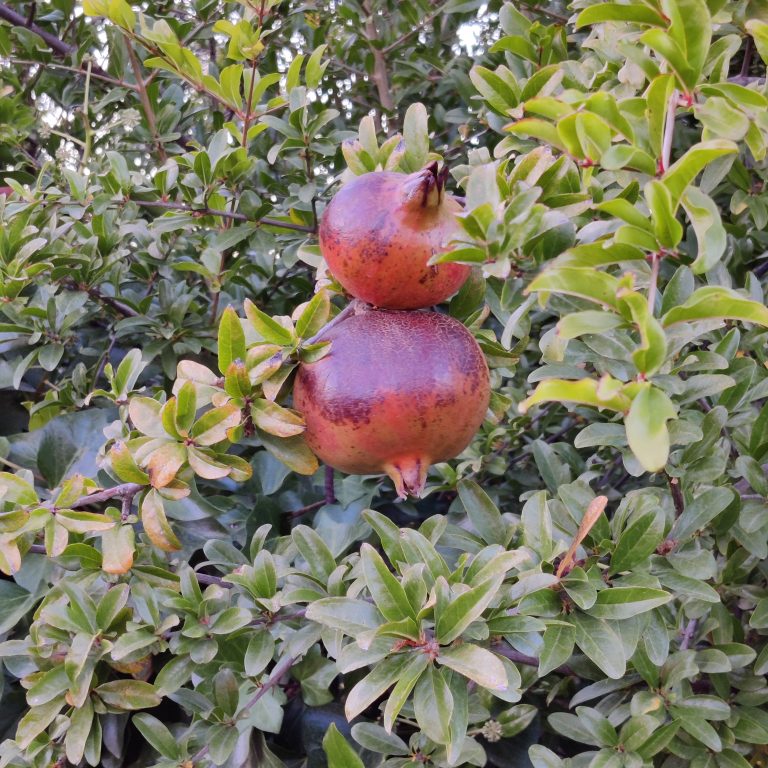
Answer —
(381, 229)
(397, 392)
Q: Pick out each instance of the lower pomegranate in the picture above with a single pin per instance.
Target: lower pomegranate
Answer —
(397, 392)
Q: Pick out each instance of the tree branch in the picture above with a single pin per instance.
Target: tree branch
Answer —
(53, 42)
(146, 104)
(266, 221)
(510, 653)
(423, 23)
(54, 65)
(380, 73)
(123, 491)
(687, 634)
(95, 293)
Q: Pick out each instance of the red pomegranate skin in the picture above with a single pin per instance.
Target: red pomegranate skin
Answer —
(397, 392)
(380, 230)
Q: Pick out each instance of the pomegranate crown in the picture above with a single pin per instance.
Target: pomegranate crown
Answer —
(425, 188)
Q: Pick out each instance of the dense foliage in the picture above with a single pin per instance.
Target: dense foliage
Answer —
(586, 585)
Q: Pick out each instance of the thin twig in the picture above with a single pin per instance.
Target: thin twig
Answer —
(149, 112)
(746, 62)
(653, 281)
(762, 270)
(305, 510)
(19, 468)
(280, 670)
(505, 650)
(233, 202)
(204, 578)
(77, 70)
(204, 211)
(104, 358)
(669, 132)
(422, 23)
(549, 14)
(95, 293)
(677, 494)
(330, 491)
(687, 634)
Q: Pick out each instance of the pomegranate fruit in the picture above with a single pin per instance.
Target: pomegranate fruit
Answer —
(397, 392)
(380, 230)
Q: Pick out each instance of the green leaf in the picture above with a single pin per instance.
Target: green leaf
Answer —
(158, 736)
(685, 170)
(375, 684)
(646, 425)
(652, 352)
(637, 542)
(483, 513)
(48, 686)
(315, 69)
(405, 684)
(667, 229)
(128, 694)
(635, 13)
(36, 720)
(261, 649)
(376, 739)
(15, 602)
(268, 328)
(601, 644)
(128, 372)
(231, 339)
(315, 551)
(477, 664)
(702, 731)
(17, 490)
(80, 726)
(625, 602)
(557, 648)
(83, 522)
(711, 237)
(759, 31)
(213, 425)
(717, 303)
(464, 609)
(337, 750)
(292, 451)
(583, 282)
(433, 705)
(416, 135)
(276, 420)
(386, 590)
(599, 394)
(700, 512)
(314, 316)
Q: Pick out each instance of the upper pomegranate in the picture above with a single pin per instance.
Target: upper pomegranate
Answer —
(398, 391)
(380, 230)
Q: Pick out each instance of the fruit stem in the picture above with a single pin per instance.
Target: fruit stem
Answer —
(355, 307)
(409, 475)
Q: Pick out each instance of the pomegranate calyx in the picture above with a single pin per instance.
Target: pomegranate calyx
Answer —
(424, 189)
(409, 475)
